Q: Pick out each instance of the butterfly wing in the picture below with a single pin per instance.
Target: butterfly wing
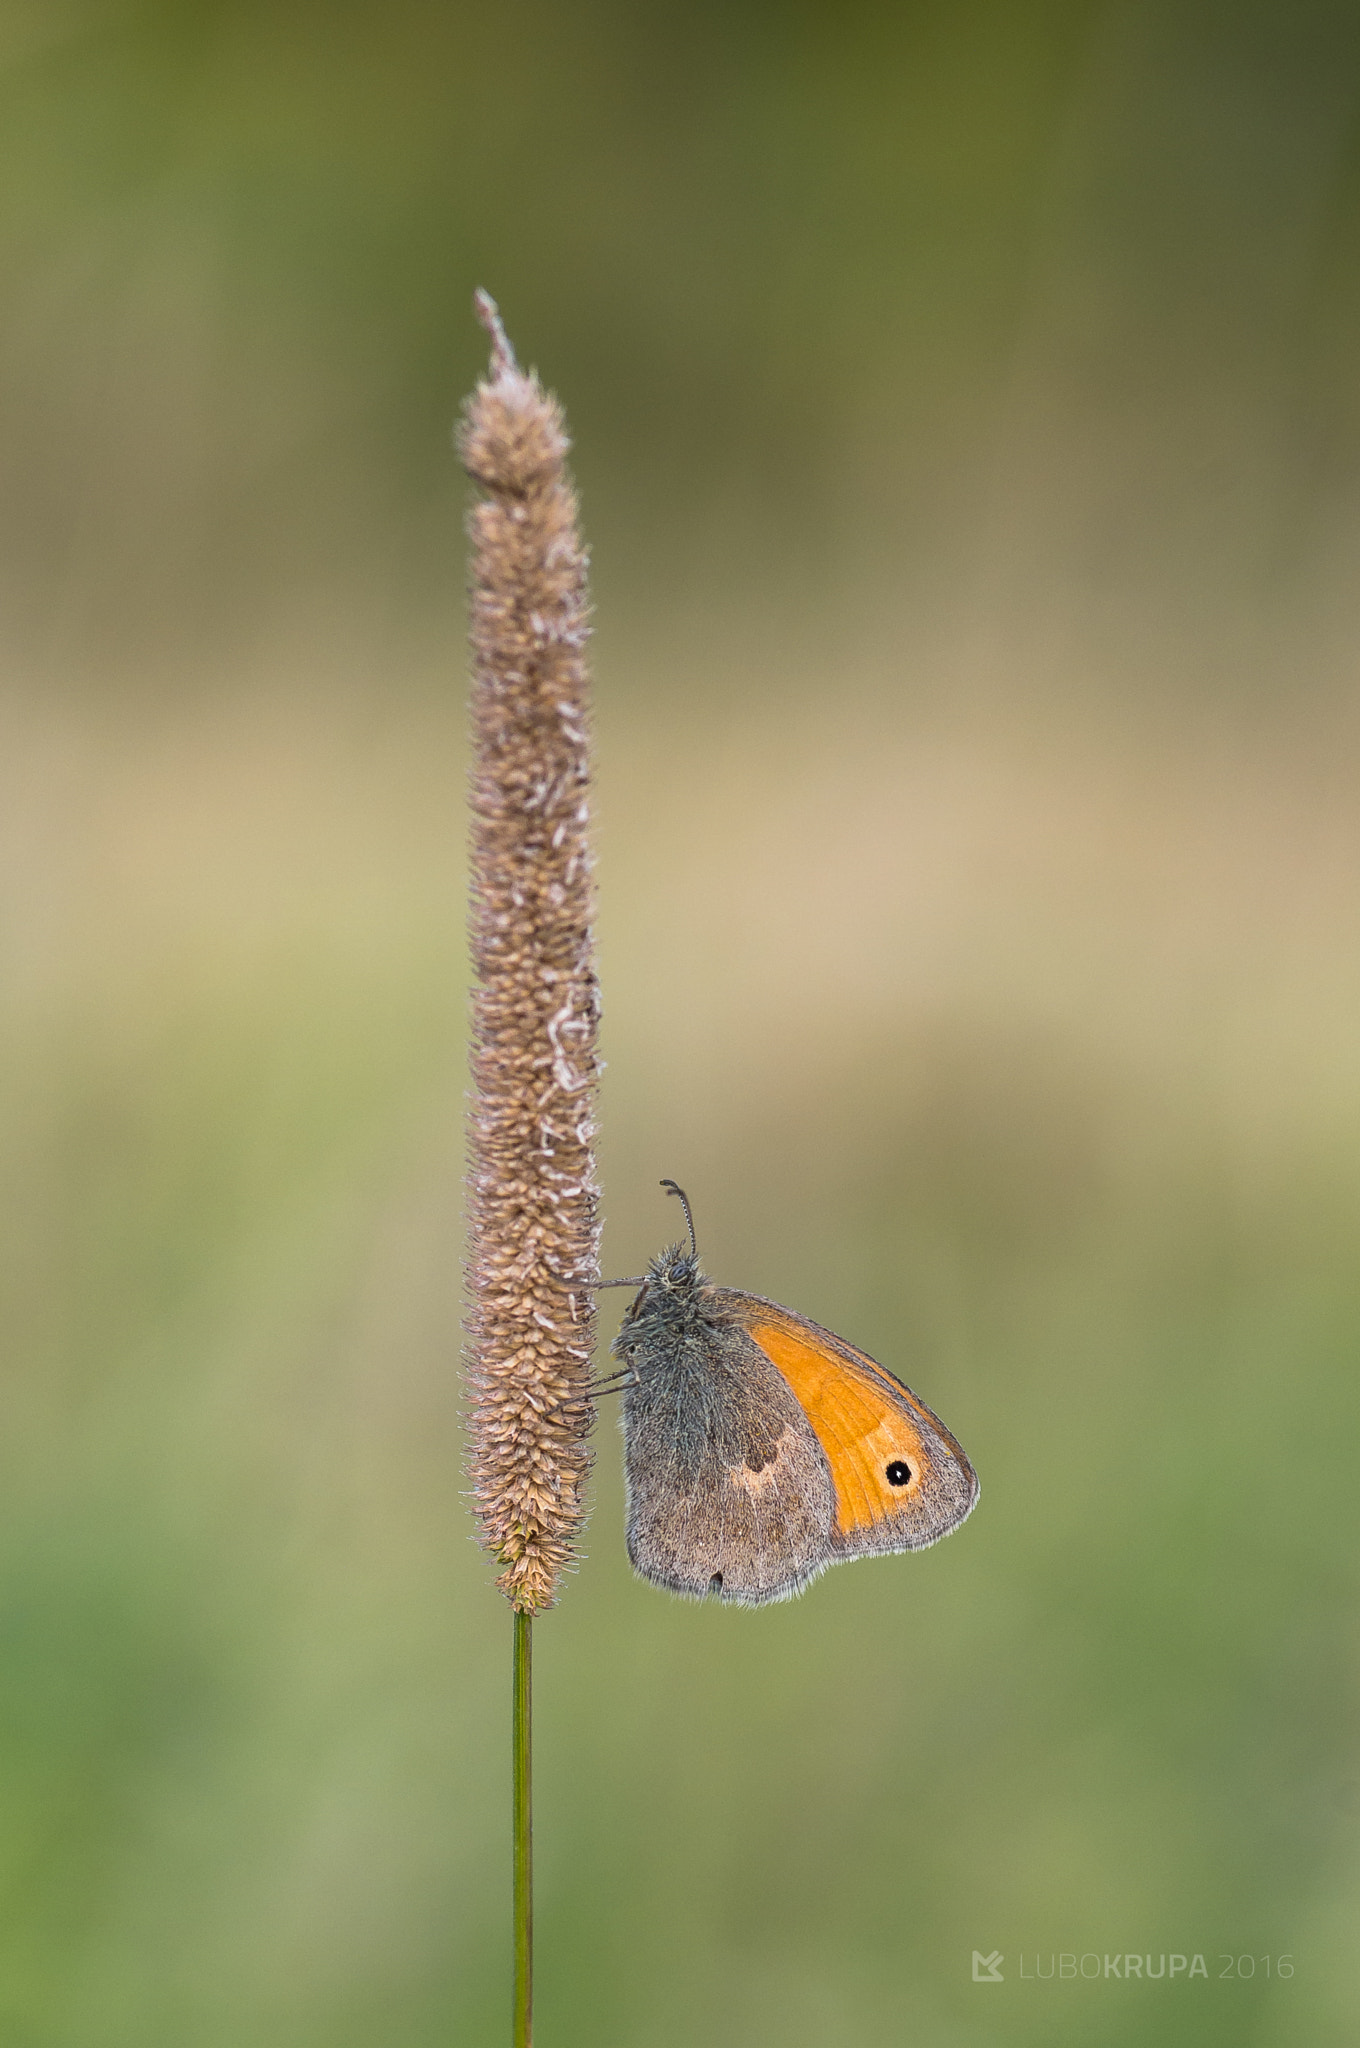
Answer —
(728, 1488)
(901, 1480)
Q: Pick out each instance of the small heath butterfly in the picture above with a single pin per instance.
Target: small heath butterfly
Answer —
(759, 1449)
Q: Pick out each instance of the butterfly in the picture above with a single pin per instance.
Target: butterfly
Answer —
(760, 1448)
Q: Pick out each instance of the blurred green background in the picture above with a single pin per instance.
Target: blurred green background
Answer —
(967, 406)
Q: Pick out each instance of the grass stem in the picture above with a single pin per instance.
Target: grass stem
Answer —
(522, 1738)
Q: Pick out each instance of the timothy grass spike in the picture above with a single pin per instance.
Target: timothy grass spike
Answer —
(534, 1222)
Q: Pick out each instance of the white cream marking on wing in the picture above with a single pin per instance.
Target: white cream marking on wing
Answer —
(756, 1483)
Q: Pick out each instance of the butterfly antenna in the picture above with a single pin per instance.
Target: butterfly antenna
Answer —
(672, 1189)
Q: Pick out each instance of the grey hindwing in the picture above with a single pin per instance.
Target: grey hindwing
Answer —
(729, 1491)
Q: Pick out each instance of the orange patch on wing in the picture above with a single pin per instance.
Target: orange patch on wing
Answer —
(861, 1419)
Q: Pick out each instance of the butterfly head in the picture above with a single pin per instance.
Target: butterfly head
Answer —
(670, 1289)
(674, 1271)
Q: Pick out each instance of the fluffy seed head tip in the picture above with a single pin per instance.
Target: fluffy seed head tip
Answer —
(513, 436)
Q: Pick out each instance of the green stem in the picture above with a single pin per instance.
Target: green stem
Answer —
(524, 1836)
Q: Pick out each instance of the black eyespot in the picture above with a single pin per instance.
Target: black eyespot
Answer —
(899, 1474)
(715, 1583)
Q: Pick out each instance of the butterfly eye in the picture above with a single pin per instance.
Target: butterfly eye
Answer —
(899, 1474)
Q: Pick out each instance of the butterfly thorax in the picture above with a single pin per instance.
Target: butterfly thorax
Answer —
(678, 1325)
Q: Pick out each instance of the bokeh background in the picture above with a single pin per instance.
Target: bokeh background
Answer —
(967, 406)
